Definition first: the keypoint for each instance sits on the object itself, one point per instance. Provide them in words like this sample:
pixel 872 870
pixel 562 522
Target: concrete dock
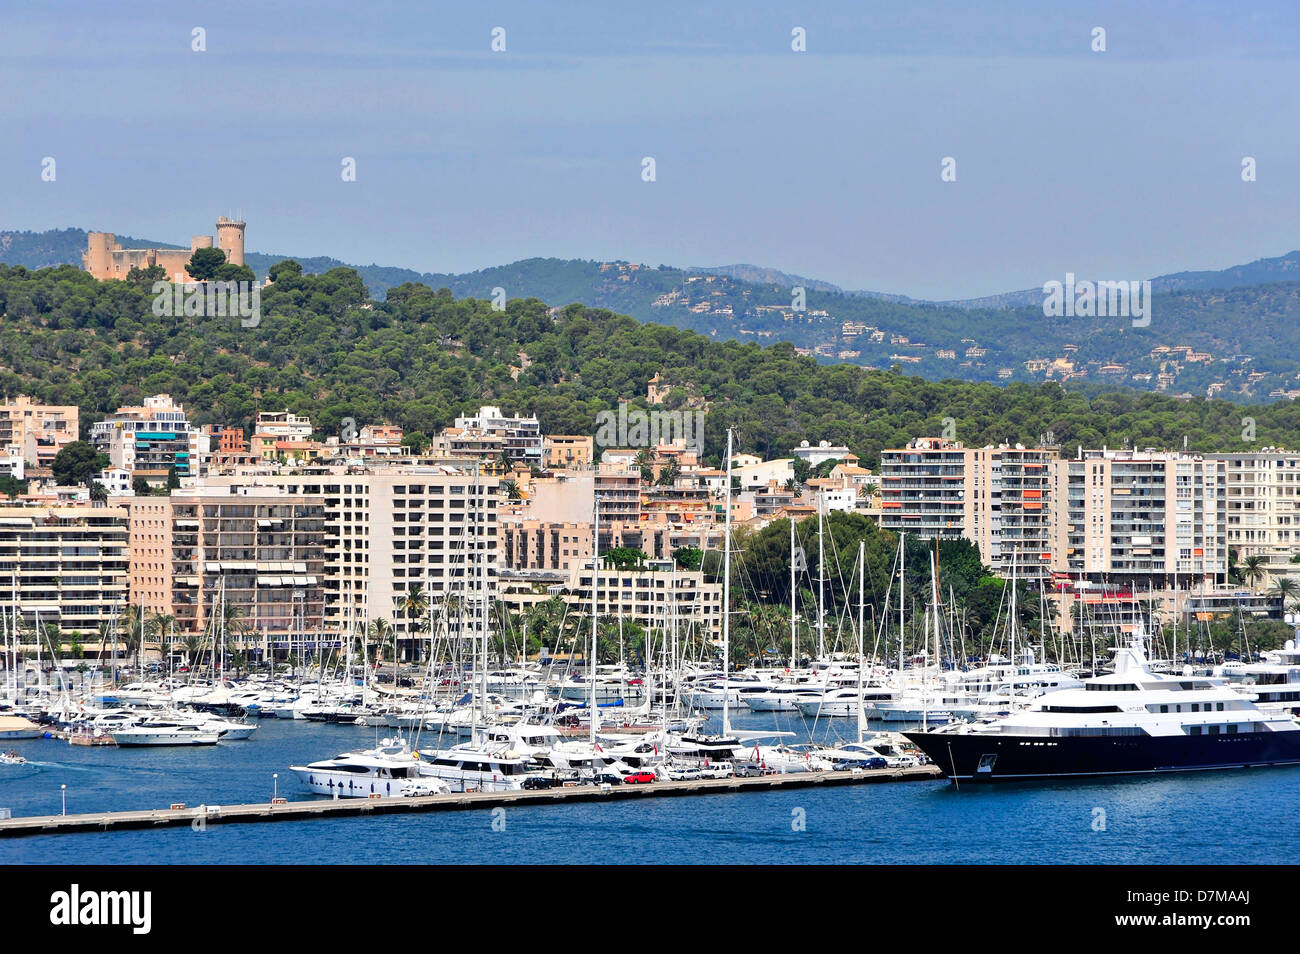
pixel 204 815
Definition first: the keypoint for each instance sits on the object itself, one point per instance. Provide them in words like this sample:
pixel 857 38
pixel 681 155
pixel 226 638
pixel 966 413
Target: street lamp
pixel 275 781
pixel 64 791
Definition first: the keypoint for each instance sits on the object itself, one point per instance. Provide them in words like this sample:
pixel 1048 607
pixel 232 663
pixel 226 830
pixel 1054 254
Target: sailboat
pixel 729 744
pixel 481 764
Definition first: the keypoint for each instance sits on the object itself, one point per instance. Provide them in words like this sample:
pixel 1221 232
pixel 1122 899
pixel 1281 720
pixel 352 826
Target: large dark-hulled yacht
pixel 1130 721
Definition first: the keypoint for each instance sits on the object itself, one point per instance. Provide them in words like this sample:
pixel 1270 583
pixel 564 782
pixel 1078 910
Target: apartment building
pixel 1149 519
pixel 227 449
pixel 923 488
pixel 822 452
pixel 257 552
pixel 652 596
pixel 387 529
pixel 150 439
pixel 516 439
pixel 1122 516
pixel 617 496
pixel 65 566
pixel 567 452
pixel 36 432
pixel 1008 508
pixel 149 563
pixel 544 545
pixel 1263 507
pixel 756 474
pixel 278 434
pixel 283 425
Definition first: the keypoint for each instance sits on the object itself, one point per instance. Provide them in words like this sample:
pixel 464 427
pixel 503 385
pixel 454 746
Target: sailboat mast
pixel 595 619
pixel 794 629
pixel 821 577
pixel 726 600
pixel 862 610
pixel 1012 627
pixel 901 585
pixel 480 564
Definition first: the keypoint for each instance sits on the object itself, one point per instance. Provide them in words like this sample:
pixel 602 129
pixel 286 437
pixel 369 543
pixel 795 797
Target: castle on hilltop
pixel 105 258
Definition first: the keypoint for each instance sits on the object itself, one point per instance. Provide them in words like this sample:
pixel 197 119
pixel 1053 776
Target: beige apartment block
pixel 260 552
pixel 998 497
pixel 1008 508
pixel 656 596
pixel 567 452
pixel 1149 519
pixel 37 431
pixel 387 529
pixel 150 561
pixel 1263 508
pixel 65 567
pixel 541 545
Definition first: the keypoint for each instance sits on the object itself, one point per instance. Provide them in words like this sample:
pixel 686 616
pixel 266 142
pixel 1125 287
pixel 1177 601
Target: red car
pixel 638 778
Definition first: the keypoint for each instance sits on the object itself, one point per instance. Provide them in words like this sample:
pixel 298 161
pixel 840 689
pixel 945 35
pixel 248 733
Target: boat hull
pixel 35 732
pixel 163 737
pixel 347 784
pixel 992 758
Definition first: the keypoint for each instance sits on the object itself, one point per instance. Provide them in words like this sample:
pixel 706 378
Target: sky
pixel 1117 164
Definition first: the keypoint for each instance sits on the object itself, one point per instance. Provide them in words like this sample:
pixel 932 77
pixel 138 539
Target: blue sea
pixel 1212 818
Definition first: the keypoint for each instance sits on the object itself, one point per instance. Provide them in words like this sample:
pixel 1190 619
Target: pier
pixel 281 810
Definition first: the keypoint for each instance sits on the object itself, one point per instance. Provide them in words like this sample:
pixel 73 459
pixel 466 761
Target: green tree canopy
pixel 76 461
pixel 203 264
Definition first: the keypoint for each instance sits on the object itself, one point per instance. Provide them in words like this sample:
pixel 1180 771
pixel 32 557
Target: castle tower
pixel 230 239
pixel 200 241
pixel 98 256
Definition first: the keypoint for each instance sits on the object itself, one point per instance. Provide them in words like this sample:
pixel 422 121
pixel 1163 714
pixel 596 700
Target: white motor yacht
pixel 386 770
pixel 476 767
pixel 161 731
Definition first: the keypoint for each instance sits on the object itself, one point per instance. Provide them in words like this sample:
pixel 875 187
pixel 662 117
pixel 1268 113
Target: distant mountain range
pixel 1233 333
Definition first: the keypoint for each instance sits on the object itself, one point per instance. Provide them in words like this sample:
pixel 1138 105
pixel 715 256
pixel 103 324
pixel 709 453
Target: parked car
pixel 871 763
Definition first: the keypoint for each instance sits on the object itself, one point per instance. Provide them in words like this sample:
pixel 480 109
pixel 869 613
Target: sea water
pixel 1236 817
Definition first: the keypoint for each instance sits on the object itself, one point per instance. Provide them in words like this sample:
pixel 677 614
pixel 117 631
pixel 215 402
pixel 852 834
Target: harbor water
pixel 1237 817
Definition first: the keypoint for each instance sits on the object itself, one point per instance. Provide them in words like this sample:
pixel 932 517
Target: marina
pixel 1148 819
pixel 283 810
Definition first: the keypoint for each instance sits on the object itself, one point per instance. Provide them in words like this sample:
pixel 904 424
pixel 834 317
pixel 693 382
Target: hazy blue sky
pixel 1121 164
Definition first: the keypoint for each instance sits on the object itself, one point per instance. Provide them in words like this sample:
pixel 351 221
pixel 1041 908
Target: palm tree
pixel 1286 589
pixel 414 605
pixel 1253 570
pixel 158 627
pixel 380 632
pixel 133 635
pixel 228 619
pixel 193 644
pixel 546 620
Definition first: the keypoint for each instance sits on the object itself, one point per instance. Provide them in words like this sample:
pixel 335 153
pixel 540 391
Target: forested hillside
pixel 422 356
pixel 1238 339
